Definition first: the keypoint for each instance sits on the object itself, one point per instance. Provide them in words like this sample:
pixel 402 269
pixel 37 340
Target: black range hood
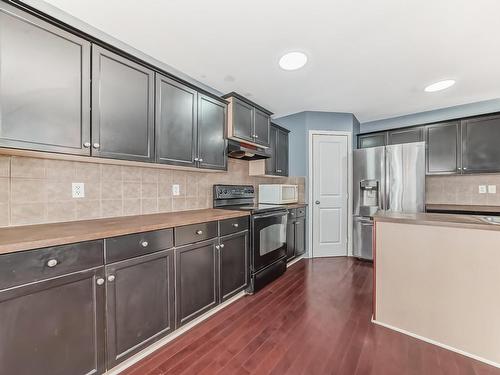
pixel 244 151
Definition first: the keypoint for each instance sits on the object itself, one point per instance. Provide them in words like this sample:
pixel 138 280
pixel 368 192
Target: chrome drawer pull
pixel 100 281
pixel 221 245
pixel 199 232
pixel 52 263
pixel 236 225
pixel 111 278
pixel 144 243
pixel 217 247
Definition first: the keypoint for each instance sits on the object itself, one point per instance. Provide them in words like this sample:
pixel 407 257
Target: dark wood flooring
pixel 313 320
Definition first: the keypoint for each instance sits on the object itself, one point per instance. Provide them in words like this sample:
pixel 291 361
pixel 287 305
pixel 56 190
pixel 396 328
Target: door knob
pixel 317 202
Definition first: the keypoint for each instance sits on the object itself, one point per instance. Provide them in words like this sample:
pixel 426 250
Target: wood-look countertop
pixel 449 220
pixel 29 237
pixel 463 208
pixel 296 205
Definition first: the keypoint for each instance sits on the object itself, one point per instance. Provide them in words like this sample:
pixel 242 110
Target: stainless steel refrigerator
pixel 386 178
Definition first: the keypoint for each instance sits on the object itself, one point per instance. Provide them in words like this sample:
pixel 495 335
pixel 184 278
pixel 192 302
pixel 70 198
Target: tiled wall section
pixel 462 189
pixel 34 191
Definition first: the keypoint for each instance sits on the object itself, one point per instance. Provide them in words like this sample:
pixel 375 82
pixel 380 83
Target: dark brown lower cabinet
pixel 54 327
pixel 295 236
pixel 196 280
pixel 140 303
pixel 233 264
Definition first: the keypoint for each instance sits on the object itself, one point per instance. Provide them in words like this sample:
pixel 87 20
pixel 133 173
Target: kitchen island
pixel 437 278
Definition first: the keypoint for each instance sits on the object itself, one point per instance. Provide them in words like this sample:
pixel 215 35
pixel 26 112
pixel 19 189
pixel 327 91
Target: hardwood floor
pixel 313 320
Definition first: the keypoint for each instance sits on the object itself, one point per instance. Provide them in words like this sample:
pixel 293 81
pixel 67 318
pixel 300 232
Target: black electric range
pixel 267 232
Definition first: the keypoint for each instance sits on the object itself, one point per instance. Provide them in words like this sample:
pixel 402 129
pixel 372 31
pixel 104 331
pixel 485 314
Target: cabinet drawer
pixel 34 265
pixel 229 226
pixel 133 245
pixel 292 214
pixel 301 212
pixel 196 232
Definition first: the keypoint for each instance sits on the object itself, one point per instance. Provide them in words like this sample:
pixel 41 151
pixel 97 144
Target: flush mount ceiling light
pixel 293 60
pixel 441 85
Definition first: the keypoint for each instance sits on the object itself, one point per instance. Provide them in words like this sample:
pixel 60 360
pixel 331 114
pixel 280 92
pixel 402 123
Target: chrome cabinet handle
pixel 86 144
pixel 236 225
pixel 111 278
pixel 256 136
pixel 292 214
pixel 200 159
pixel 221 245
pixel 144 243
pixel 96 145
pixel 199 232
pixel 217 247
pixel 278 170
pixel 52 263
pixel 100 281
pixel 196 159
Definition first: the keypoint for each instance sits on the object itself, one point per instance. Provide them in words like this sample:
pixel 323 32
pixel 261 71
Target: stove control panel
pixel 233 191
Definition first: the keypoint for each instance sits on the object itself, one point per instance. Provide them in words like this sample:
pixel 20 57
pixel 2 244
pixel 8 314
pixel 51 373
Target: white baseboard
pixel 430 341
pixel 158 344
pixel 291 263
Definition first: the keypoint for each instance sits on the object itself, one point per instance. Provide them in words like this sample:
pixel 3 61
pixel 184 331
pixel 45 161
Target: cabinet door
pixel 443 148
pixel 261 128
pixel 282 153
pixel 196 280
pixel 372 140
pixel 212 152
pixel 44 85
pixel 233 264
pixel 176 122
pixel 290 240
pixel 481 151
pixel 300 236
pixel 122 107
pixel 140 303
pixel 242 120
pixel 271 163
pixel 398 136
pixel 54 327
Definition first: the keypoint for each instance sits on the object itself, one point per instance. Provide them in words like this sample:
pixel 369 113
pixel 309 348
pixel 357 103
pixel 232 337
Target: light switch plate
pixel 176 190
pixel 78 190
pixel 492 189
pixel 482 189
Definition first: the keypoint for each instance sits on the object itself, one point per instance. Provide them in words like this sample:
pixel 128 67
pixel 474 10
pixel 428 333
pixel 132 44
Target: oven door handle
pixel 274 214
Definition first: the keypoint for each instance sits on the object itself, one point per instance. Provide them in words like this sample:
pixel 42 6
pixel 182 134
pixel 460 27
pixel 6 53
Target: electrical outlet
pixel 78 190
pixel 482 189
pixel 492 189
pixel 176 190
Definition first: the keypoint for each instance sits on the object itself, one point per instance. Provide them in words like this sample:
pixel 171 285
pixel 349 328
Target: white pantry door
pixel 329 193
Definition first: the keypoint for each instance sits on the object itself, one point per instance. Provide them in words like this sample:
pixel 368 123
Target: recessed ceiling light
pixel 293 60
pixel 441 85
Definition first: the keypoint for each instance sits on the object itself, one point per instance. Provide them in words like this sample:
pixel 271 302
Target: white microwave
pixel 278 194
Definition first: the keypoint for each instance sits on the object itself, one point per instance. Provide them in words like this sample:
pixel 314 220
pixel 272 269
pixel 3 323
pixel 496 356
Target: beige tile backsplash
pixel 34 191
pixel 462 189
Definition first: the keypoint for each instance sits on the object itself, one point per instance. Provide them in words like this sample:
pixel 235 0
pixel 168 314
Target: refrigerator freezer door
pixel 362 237
pixel 368 165
pixel 405 177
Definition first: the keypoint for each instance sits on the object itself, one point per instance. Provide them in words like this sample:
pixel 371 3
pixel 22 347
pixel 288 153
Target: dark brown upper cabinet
pixel 122 107
pixel 443 148
pixel 480 149
pixel 212 143
pixel 372 140
pixel 190 126
pixel 176 122
pixel 277 164
pixel 405 135
pixel 44 85
pixel 247 121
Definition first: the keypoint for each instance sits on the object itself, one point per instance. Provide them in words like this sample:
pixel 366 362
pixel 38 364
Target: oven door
pixel 268 239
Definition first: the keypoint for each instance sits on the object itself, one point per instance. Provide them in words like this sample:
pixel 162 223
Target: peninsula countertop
pixel 450 220
pixel 29 237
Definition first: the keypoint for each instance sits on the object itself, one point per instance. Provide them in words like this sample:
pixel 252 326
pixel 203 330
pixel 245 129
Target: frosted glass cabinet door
pixel 44 85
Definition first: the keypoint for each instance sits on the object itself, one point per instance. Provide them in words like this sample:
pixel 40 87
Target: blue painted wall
pixel 299 125
pixel 465 110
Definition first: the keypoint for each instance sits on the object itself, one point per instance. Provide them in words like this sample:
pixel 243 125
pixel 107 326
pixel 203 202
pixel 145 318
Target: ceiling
pixel 370 58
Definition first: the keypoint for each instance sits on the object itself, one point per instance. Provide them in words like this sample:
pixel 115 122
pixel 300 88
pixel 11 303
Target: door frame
pixel 310 252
